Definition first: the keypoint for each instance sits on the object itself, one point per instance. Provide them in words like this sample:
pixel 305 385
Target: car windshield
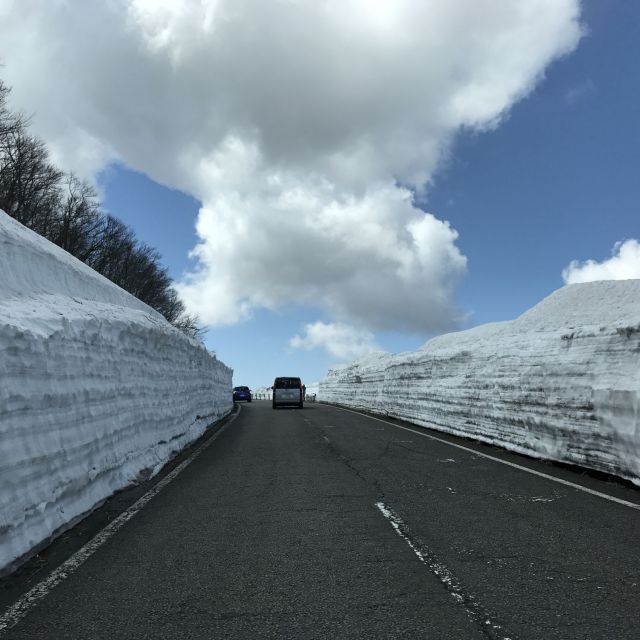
pixel 287 383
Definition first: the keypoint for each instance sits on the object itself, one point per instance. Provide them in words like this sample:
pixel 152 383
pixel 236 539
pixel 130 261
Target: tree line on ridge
pixel 66 210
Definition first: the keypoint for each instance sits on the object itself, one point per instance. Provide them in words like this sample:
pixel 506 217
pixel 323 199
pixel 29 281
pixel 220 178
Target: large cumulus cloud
pixel 303 126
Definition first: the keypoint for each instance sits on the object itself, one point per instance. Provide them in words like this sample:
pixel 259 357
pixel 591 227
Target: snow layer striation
pixel 96 389
pixel 561 382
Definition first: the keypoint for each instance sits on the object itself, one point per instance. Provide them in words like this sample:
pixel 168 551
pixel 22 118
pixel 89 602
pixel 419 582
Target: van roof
pixel 287 380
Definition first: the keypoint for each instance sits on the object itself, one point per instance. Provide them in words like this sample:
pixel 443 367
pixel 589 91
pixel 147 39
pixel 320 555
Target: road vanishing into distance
pixel 325 523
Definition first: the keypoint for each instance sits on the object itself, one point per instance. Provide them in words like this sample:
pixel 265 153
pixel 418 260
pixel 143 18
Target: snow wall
pixel 96 389
pixel 562 382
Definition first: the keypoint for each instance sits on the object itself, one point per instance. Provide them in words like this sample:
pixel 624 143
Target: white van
pixel 287 391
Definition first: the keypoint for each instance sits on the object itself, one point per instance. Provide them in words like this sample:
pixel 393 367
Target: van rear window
pixel 287 383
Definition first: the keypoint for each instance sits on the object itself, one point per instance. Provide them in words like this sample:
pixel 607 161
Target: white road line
pixel 29 600
pixel 441 571
pixel 567 483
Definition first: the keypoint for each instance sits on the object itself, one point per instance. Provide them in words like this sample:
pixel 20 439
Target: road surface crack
pixel 349 463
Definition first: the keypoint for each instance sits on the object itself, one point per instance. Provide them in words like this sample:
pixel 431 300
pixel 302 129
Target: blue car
pixel 241 393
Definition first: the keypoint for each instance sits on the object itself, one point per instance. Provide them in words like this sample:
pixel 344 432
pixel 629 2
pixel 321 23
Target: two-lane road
pixel 323 523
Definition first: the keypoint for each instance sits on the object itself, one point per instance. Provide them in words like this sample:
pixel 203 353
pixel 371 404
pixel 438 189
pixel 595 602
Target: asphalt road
pixel 322 523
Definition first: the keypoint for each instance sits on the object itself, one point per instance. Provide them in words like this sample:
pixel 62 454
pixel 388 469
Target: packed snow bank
pixel 562 382
pixel 96 388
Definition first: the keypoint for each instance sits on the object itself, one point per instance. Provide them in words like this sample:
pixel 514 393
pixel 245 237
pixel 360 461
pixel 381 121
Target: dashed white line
pixel 567 483
pixel 29 600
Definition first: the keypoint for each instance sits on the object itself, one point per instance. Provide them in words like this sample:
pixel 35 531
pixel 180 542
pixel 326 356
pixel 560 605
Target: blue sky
pixel 297 154
pixel 556 181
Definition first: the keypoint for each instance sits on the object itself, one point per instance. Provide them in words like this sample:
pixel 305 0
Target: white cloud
pixel 624 264
pixel 372 259
pixel 295 122
pixel 339 340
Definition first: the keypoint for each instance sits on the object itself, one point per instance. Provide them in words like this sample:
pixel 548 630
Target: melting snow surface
pixel 96 388
pixel 561 382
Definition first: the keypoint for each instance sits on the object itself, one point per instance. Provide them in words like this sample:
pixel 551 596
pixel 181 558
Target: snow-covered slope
pixel 96 388
pixel 561 382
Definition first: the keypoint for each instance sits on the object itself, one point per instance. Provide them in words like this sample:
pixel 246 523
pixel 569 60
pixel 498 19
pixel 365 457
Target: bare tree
pixel 173 310
pixel 9 121
pixel 190 324
pixel 79 224
pixel 116 242
pixel 29 183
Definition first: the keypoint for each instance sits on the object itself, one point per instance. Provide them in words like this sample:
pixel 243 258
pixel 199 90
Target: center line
pixel 472 607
